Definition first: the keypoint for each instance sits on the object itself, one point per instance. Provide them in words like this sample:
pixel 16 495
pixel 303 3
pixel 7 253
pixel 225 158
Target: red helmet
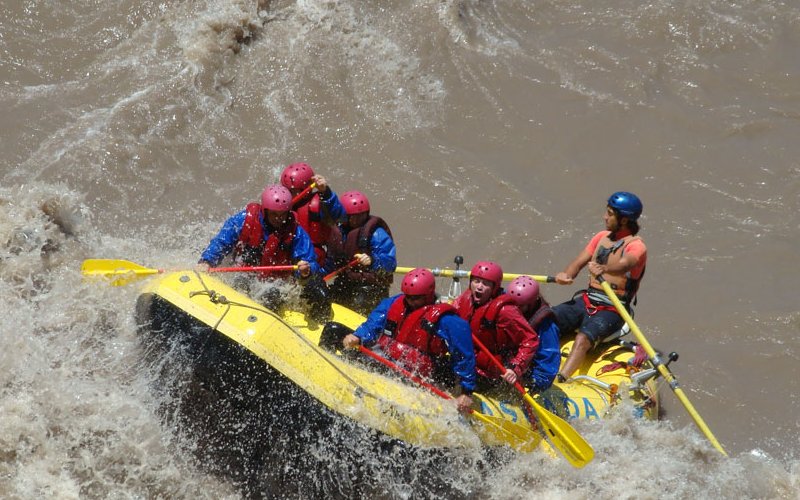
pixel 524 290
pixel 419 281
pixel 354 202
pixel 487 270
pixel 276 198
pixel 297 176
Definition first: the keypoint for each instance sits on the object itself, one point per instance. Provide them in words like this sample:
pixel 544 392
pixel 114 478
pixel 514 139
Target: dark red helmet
pixel 487 270
pixel 297 176
pixel 354 202
pixel 419 281
pixel 276 198
pixel 524 290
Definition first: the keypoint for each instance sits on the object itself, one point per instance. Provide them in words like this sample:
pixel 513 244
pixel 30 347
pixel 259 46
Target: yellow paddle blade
pixel 514 435
pixel 566 439
pixel 519 437
pixel 118 272
pixel 562 435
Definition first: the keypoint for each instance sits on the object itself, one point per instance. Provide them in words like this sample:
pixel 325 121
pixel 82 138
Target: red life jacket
pixel 358 240
pixel 253 250
pixel 411 339
pixel 483 323
pixel 310 218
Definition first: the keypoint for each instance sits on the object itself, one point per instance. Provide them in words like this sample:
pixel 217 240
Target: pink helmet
pixel 487 270
pixel 354 202
pixel 524 290
pixel 276 198
pixel 297 176
pixel 419 281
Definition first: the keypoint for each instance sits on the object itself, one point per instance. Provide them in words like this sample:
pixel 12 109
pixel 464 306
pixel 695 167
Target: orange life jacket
pixel 610 252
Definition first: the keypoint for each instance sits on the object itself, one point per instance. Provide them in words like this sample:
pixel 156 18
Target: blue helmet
pixel 627 204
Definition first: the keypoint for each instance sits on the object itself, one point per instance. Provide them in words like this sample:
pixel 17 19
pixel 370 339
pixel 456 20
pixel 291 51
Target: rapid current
pixel 130 129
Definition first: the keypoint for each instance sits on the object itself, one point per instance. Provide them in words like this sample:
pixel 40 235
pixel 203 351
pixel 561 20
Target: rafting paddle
pixel 303 192
pixel 122 272
pixel 463 273
pixel 566 439
pixel 346 266
pixel 517 436
pixel 663 369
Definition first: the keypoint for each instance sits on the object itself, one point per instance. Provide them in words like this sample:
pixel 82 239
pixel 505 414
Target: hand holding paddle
pixel 346 266
pixel 563 278
pixel 303 193
pixel 566 439
pixel 517 436
pixel 465 403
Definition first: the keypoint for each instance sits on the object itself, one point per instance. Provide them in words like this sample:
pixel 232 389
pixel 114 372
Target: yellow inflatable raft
pixel 288 343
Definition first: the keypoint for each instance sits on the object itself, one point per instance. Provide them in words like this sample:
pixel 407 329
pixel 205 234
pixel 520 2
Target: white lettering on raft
pixel 572 408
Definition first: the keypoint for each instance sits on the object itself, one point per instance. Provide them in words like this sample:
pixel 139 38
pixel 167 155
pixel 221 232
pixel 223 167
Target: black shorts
pixel 572 316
